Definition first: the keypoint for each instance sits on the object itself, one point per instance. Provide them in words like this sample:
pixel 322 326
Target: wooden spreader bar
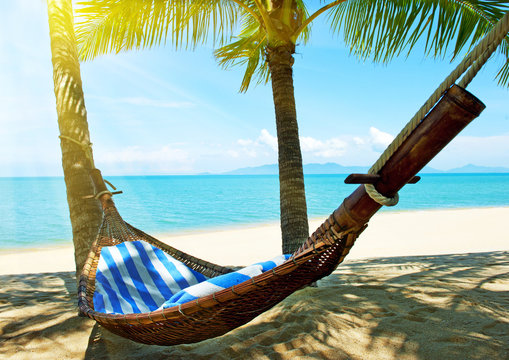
pixel 453 113
pixel 372 179
pixel 455 110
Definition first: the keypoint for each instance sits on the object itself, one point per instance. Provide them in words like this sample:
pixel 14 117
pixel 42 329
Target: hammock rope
pixel 217 313
pixel 473 63
pixel 379 198
pixel 86 146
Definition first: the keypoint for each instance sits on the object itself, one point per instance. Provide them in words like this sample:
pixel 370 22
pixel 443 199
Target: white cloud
pixel 345 150
pixel 358 141
pixel 379 139
pixel 250 153
pixel 245 142
pixel 330 148
pixel 266 138
pixel 308 143
pixel 233 153
pixel 254 148
pixel 135 160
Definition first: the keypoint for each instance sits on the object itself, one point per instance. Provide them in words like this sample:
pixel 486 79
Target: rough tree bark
pixel 85 214
pixel 294 220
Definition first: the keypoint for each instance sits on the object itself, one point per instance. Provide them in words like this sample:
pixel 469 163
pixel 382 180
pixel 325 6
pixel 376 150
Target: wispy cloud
pixel 163 154
pixel 143 101
pixel 478 150
pixel 155 80
pixel 166 159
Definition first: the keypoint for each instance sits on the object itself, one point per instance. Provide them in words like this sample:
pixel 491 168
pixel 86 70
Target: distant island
pixel 470 168
pixel 334 168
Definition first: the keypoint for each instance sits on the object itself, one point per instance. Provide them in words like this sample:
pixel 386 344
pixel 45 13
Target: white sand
pixel 400 233
pixel 431 307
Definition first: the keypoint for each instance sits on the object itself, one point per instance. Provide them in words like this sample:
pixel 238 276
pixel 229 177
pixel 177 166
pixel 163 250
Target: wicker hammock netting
pixel 447 112
pixel 220 312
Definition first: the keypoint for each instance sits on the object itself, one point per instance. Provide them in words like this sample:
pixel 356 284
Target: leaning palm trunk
pixel 85 214
pixel 294 221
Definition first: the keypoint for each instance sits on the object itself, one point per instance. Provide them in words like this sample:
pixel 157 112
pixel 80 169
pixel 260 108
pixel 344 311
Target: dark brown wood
pixel 362 179
pixel 372 179
pixel 97 179
pixel 453 113
pixel 414 180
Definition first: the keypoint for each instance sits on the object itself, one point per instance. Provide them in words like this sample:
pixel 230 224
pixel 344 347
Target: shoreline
pixel 163 236
pixel 434 232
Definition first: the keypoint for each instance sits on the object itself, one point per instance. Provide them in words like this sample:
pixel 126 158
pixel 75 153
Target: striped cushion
pixel 135 277
pixel 223 282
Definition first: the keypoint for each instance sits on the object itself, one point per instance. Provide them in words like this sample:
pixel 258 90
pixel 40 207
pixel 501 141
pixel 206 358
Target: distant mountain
pixel 271 169
pixel 430 170
pixel 313 168
pixel 333 168
pixel 328 168
pixel 470 168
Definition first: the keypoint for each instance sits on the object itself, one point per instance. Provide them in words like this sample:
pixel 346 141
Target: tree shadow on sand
pixel 429 307
pixel 447 307
pixel 38 308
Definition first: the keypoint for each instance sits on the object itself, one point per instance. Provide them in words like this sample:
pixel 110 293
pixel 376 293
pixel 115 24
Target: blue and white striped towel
pixel 135 277
pixel 221 282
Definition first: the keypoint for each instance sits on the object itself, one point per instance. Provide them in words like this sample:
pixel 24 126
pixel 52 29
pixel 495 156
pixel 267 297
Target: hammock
pixel 185 312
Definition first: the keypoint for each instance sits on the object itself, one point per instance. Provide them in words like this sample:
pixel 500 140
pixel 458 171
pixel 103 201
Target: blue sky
pixel 165 112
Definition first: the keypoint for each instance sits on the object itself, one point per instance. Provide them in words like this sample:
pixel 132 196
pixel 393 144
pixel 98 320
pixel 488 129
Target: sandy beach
pixel 417 285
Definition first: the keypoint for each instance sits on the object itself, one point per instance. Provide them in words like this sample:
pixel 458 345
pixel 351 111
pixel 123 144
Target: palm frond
pixel 305 35
pixel 249 51
pixel 105 26
pixel 201 20
pixel 382 29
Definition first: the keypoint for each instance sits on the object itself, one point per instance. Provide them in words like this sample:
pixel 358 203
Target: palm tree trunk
pixel 85 214
pixel 294 220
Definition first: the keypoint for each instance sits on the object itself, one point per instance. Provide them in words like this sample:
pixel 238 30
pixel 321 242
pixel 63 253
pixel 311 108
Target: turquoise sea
pixel 34 211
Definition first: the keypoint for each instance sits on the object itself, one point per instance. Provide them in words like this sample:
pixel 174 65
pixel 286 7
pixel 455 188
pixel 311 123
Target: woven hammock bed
pixel 444 115
pixel 220 312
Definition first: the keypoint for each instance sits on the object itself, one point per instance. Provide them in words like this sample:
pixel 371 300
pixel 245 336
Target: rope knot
pixel 379 198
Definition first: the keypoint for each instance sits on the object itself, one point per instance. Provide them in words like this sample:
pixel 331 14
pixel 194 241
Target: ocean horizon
pixel 34 209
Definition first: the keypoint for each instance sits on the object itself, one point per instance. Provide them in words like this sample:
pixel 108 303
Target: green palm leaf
pixel 249 51
pixel 105 26
pixel 377 29
pixel 382 29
